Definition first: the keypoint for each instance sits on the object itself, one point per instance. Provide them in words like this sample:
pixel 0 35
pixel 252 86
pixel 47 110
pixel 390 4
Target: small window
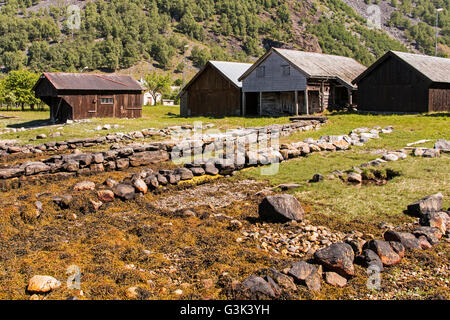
pixel 286 69
pixel 260 72
pixel 106 100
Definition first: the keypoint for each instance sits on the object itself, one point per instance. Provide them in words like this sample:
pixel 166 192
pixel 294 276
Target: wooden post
pixel 296 102
pixel 349 96
pixel 306 101
pixel 243 103
pixel 260 103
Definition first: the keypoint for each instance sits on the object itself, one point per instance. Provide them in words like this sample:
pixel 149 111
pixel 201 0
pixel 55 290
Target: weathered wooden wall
pixel 85 104
pixel 211 94
pixel 393 86
pixel 274 80
pixel 439 98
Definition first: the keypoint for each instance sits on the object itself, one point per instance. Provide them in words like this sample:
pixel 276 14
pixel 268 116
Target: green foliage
pixel 200 56
pixel 157 83
pixel 16 87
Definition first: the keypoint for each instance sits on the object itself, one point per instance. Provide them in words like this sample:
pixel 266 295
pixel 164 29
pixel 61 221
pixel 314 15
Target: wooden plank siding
pixel 439 99
pixel 396 86
pixel 84 104
pixel 211 94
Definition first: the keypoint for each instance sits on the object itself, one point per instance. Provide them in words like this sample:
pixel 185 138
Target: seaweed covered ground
pixel 199 239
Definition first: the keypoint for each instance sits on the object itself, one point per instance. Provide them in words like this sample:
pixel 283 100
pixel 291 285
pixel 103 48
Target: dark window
pixel 260 72
pixel 286 70
pixel 106 100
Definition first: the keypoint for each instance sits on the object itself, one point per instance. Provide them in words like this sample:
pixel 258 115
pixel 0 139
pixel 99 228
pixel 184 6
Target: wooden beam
pixel 306 101
pixel 296 102
pixel 260 103
pixel 243 103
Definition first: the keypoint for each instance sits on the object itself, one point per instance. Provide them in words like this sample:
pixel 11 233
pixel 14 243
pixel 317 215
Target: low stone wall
pixel 120 158
pixel 10 147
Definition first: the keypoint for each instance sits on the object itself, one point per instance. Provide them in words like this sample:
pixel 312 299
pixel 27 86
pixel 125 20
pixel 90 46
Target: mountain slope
pixel 135 36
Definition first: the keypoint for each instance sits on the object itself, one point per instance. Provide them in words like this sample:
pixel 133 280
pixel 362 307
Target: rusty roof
pixel 90 81
pixel 434 68
pixel 317 65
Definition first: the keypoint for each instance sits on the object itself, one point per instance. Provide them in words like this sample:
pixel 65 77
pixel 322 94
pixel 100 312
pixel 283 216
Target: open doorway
pixel 251 103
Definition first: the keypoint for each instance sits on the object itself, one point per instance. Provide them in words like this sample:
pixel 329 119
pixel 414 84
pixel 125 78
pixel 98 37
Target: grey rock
pixel 408 240
pixel 124 191
pixel 257 286
pixel 280 208
pixel 432 203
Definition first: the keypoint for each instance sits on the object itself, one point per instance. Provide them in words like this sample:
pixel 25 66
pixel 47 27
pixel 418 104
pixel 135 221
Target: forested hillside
pixel 413 21
pixel 119 34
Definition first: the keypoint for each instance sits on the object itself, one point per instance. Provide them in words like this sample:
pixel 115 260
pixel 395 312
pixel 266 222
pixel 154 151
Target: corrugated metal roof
pixel 232 70
pixel 87 81
pixel 317 65
pixel 435 68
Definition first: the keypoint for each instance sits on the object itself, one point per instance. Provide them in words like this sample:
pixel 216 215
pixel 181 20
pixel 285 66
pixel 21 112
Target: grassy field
pixel 152 117
pixel 368 204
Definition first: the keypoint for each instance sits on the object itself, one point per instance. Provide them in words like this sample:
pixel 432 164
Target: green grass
pixel 152 117
pixel 370 204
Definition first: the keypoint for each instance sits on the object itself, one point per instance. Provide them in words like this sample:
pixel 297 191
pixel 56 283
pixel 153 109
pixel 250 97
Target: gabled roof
pixel 316 65
pixel 230 70
pixel 434 68
pixel 89 81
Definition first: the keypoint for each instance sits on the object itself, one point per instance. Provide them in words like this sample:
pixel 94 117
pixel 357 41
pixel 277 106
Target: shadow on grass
pixel 31 124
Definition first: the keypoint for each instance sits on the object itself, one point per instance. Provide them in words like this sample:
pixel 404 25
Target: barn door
pixel 105 106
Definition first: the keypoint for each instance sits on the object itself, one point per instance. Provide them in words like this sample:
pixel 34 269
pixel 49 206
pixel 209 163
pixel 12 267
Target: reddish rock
pixel 432 234
pixel 424 244
pixel 95 204
pixel 398 248
pixel 84 185
pixel 382 248
pixel 439 220
pixel 408 240
pixel 106 195
pixel 140 185
pixel 335 279
pixel 337 257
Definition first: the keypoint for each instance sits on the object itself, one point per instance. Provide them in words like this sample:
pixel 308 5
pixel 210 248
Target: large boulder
pixel 408 240
pixel 383 249
pixel 337 257
pixel 280 208
pixel 432 203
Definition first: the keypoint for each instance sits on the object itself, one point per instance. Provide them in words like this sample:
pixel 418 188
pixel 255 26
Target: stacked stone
pixel 335 263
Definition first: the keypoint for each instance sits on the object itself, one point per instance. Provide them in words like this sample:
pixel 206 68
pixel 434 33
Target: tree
pixel 200 56
pixel 156 83
pixel 20 82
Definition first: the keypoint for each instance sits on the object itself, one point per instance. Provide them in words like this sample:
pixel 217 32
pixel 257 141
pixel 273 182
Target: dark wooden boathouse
pixel 405 83
pixel 78 96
